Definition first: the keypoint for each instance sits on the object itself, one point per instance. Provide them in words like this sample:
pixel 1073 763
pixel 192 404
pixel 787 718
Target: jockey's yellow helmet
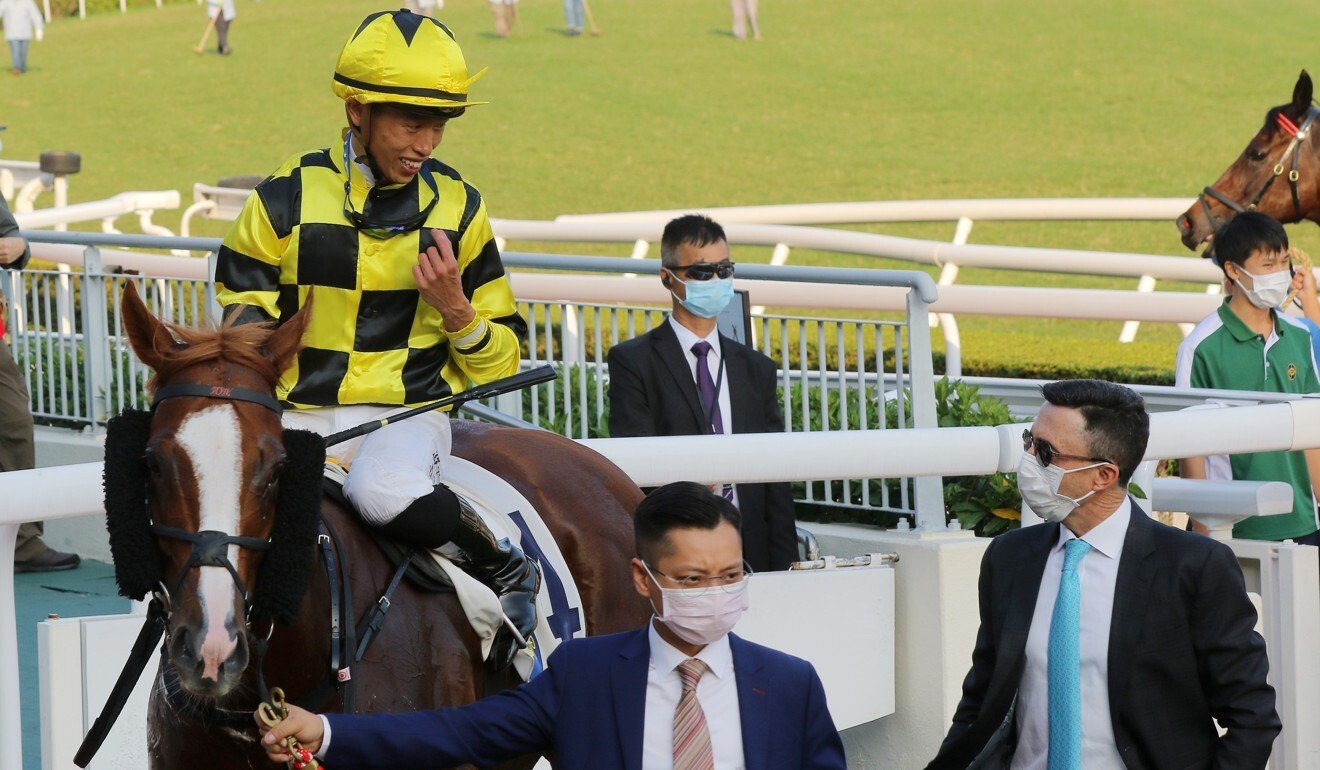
pixel 404 58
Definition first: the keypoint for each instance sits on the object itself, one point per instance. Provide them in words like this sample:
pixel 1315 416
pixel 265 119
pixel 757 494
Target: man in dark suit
pixel 1108 641
pixel 681 694
pixel 684 378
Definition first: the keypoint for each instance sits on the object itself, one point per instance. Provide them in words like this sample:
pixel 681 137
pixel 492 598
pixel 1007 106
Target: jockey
pixel 412 301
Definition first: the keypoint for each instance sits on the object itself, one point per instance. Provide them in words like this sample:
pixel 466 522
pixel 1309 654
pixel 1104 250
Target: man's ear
pixel 664 277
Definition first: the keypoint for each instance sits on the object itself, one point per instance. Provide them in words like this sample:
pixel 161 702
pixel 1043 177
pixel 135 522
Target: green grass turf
pixel 843 100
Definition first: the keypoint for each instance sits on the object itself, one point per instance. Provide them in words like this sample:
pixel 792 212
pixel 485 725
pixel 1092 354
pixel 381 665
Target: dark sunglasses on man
pixel 704 271
pixel 1047 454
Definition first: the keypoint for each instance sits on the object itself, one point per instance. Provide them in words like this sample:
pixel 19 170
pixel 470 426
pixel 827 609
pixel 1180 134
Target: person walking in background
pixel 17 451
pixel 573 15
pixel 425 7
pixel 224 13
pixel 744 11
pixel 684 378
pixel 505 13
pixel 22 20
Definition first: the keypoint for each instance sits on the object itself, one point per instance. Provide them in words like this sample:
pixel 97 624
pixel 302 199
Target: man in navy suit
pixel 682 693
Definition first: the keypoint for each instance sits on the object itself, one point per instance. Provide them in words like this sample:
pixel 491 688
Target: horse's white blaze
pixel 213 441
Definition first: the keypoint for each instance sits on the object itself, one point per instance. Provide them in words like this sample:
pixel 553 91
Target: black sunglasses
pixel 1047 454
pixel 704 271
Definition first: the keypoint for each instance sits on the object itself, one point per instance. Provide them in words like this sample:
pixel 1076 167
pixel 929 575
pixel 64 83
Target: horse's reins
pixel 210 548
pixel 1294 148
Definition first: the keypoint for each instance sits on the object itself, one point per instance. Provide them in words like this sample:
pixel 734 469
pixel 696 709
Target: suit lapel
pixel 738 379
pixel 1131 599
pixel 1022 591
pixel 666 344
pixel 753 692
pixel 628 683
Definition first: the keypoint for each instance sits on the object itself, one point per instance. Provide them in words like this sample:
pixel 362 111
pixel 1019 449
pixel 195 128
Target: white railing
pixel 769 226
pixel 142 203
pixel 831 370
pixel 872 212
pixel 68 491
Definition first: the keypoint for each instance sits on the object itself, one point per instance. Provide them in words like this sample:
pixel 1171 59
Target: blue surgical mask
pixel 706 299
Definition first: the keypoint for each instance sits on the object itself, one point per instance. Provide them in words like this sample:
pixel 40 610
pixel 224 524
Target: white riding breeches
pixel 389 468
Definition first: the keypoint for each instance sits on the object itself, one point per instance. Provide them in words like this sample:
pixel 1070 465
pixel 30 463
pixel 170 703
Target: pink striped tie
pixel 692 749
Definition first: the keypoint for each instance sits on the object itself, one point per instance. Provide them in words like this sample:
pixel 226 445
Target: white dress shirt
pixel 717 691
pixel 1098 573
pixel 686 339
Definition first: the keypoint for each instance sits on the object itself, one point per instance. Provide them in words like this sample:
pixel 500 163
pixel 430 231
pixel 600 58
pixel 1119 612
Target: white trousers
pixel 389 468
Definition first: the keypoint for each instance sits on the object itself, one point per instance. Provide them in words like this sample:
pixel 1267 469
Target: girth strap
pixel 376 616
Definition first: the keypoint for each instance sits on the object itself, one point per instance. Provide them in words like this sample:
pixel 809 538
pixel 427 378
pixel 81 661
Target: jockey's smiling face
pixel 398 141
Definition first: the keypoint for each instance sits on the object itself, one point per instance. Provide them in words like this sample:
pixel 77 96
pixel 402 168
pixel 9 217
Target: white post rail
pixel 75 490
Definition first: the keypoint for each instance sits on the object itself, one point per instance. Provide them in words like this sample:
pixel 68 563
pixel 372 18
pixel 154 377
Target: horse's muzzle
pixel 204 666
pixel 1193 233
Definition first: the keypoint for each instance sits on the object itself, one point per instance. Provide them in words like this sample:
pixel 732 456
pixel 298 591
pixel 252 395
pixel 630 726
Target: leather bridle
pixel 210 548
pixel 1294 149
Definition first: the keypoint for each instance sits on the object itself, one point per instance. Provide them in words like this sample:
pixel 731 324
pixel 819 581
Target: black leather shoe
pixel 49 560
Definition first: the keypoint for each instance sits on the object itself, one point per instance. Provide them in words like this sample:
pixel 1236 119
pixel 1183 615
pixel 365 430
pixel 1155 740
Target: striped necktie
pixel 1065 664
pixel 692 749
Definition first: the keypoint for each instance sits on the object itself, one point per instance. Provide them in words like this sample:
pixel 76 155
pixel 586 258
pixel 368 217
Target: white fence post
pixel 11 713
pixel 96 337
pixel 929 501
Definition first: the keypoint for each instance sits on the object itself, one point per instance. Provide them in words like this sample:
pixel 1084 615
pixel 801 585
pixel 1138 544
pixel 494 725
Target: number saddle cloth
pixel 508 515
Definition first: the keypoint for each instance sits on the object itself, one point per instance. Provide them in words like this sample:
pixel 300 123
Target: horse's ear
pixel 147 334
pixel 1301 101
pixel 285 342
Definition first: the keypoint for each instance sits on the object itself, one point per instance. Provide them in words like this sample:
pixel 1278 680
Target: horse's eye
pixel 1255 154
pixel 153 464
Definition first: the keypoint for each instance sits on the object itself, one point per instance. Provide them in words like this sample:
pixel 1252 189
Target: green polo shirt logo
pixel 1223 353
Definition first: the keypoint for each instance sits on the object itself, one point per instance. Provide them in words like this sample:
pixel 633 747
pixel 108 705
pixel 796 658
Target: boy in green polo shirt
pixel 1247 344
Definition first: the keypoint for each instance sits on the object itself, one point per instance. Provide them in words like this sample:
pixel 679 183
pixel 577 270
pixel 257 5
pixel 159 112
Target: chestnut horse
pixel 1277 174
pixel 216 463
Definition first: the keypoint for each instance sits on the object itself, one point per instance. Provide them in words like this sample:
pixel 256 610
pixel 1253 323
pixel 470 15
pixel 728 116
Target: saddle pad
pixel 510 515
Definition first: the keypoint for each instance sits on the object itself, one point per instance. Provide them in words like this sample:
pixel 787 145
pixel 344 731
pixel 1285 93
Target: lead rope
pixel 274 711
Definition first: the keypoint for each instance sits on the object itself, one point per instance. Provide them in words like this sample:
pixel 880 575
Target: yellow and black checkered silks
pixel 372 339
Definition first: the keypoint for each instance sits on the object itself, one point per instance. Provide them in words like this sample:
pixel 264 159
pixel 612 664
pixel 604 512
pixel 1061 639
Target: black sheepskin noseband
pixel 139 562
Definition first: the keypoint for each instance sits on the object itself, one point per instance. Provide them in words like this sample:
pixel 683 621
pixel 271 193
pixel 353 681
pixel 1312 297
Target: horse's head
pixel 214 458
pixel 1276 174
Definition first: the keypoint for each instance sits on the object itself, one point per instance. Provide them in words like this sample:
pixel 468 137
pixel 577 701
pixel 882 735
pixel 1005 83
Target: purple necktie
pixel 709 398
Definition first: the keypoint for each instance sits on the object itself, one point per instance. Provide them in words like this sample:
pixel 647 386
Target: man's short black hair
pixel 693 229
pixel 680 505
pixel 1117 426
pixel 1244 235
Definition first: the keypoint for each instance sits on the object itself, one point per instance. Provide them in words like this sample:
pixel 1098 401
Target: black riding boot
pixel 506 570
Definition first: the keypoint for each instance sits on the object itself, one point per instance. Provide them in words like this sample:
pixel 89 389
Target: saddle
pixel 424 574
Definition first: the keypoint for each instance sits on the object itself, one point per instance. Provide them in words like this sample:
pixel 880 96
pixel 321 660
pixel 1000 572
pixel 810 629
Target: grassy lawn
pixel 843 100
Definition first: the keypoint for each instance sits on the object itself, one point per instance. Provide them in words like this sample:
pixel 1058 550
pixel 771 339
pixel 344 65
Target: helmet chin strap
pixel 363 134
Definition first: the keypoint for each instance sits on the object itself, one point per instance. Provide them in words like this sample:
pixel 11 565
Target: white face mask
pixel 701 615
pixel 1039 486
pixel 1269 291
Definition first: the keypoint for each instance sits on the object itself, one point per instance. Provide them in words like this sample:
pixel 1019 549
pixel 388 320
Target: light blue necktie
pixel 1065 664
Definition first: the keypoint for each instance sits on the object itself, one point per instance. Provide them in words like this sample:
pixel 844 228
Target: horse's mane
pixel 236 343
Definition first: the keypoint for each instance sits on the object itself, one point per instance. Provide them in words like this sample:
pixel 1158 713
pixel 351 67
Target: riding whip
pixel 498 387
